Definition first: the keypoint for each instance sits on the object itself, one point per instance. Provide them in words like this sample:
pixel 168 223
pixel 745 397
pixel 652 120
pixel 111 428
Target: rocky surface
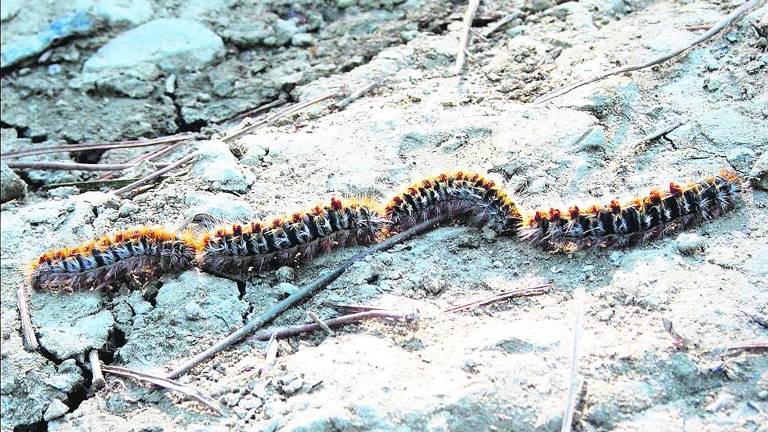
pixel 499 367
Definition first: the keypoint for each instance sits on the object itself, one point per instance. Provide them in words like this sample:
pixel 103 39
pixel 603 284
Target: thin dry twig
pixel 169 384
pixel 271 356
pixel 758 345
pixel 570 400
pixel 353 308
pixel 288 331
pixel 68 166
pixel 149 156
pixel 636 147
pixel 27 331
pixel 523 292
pixel 98 380
pixel 100 146
pixel 240 131
pixel 267 106
pixel 320 322
pixel 727 21
pixel 93 184
pixel 125 189
pixel 698 27
pixel 357 95
pixel 500 23
pixel 469 16
pixel 300 295
pixel 677 341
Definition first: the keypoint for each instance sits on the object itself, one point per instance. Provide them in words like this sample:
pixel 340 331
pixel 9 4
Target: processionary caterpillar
pixel 241 250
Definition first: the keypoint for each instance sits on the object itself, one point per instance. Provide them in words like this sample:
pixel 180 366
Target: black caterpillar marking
pixel 240 250
pixel 639 221
pixel 457 195
pixel 110 259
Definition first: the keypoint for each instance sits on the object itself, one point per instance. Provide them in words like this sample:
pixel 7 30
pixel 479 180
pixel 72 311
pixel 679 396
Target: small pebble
pixel 193 311
pixel 488 234
pixel 689 243
pixel 285 274
pixel 55 410
pixel 128 208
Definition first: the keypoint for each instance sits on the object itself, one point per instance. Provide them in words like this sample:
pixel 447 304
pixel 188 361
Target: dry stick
pixel 728 20
pixel 278 115
pixel 354 308
pixel 464 37
pixel 271 354
pixel 677 341
pixel 158 173
pixel 300 295
pixel 262 108
pixel 68 166
pixel 147 157
pixel 92 185
pixel 758 345
pixel 570 401
pixel 30 339
pixel 524 292
pixel 638 145
pixel 284 332
pixel 357 95
pixel 101 146
pixel 500 23
pixel 320 322
pixel 169 384
pixel 98 380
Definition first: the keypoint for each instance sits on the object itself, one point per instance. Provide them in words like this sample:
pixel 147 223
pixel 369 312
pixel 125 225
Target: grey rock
pixel 138 304
pixel 217 167
pixel 759 173
pixel 126 84
pixel 433 281
pixel 128 208
pixel 164 333
pixel 488 234
pixel 71 325
pixel 302 40
pixel 23 48
pixel 55 410
pixel 193 311
pixel 741 158
pixel 343 4
pixel 11 185
pixel 63 192
pixel 689 243
pixel 284 31
pixel 247 35
pixel 285 274
pixel 170 43
pixel 223 206
pixel 122 12
pixel 251 402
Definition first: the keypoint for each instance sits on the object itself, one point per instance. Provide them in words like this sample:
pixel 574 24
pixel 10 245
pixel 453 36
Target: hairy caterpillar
pixel 457 194
pixel 640 220
pixel 256 247
pixel 109 259
pixel 239 250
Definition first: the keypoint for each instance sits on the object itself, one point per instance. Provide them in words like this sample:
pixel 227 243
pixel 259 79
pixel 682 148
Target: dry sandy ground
pixel 500 367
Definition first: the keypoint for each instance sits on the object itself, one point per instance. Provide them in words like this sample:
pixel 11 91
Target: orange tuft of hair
pixel 336 204
pixel 675 189
pixel 573 212
pixel 615 206
pixel 554 214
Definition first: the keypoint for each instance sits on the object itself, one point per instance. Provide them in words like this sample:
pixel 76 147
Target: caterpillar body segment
pixel 257 247
pixel 460 196
pixel 112 258
pixel 638 221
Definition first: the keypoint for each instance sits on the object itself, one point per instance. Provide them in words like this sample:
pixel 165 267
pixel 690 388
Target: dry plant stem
pixel 354 308
pixel 98 380
pixel 320 322
pixel 125 189
pixel 357 95
pixel 677 341
pixel 284 332
pixel 500 23
pixel 301 295
pixel 103 146
pixel 749 346
pixel 640 144
pixel 68 166
pixel 169 384
pixel 570 404
pixel 92 185
pixel 27 331
pixel 271 356
pixel 728 20
pixel 262 108
pixel 524 292
pixel 464 37
pixel 278 115
pixel 146 157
